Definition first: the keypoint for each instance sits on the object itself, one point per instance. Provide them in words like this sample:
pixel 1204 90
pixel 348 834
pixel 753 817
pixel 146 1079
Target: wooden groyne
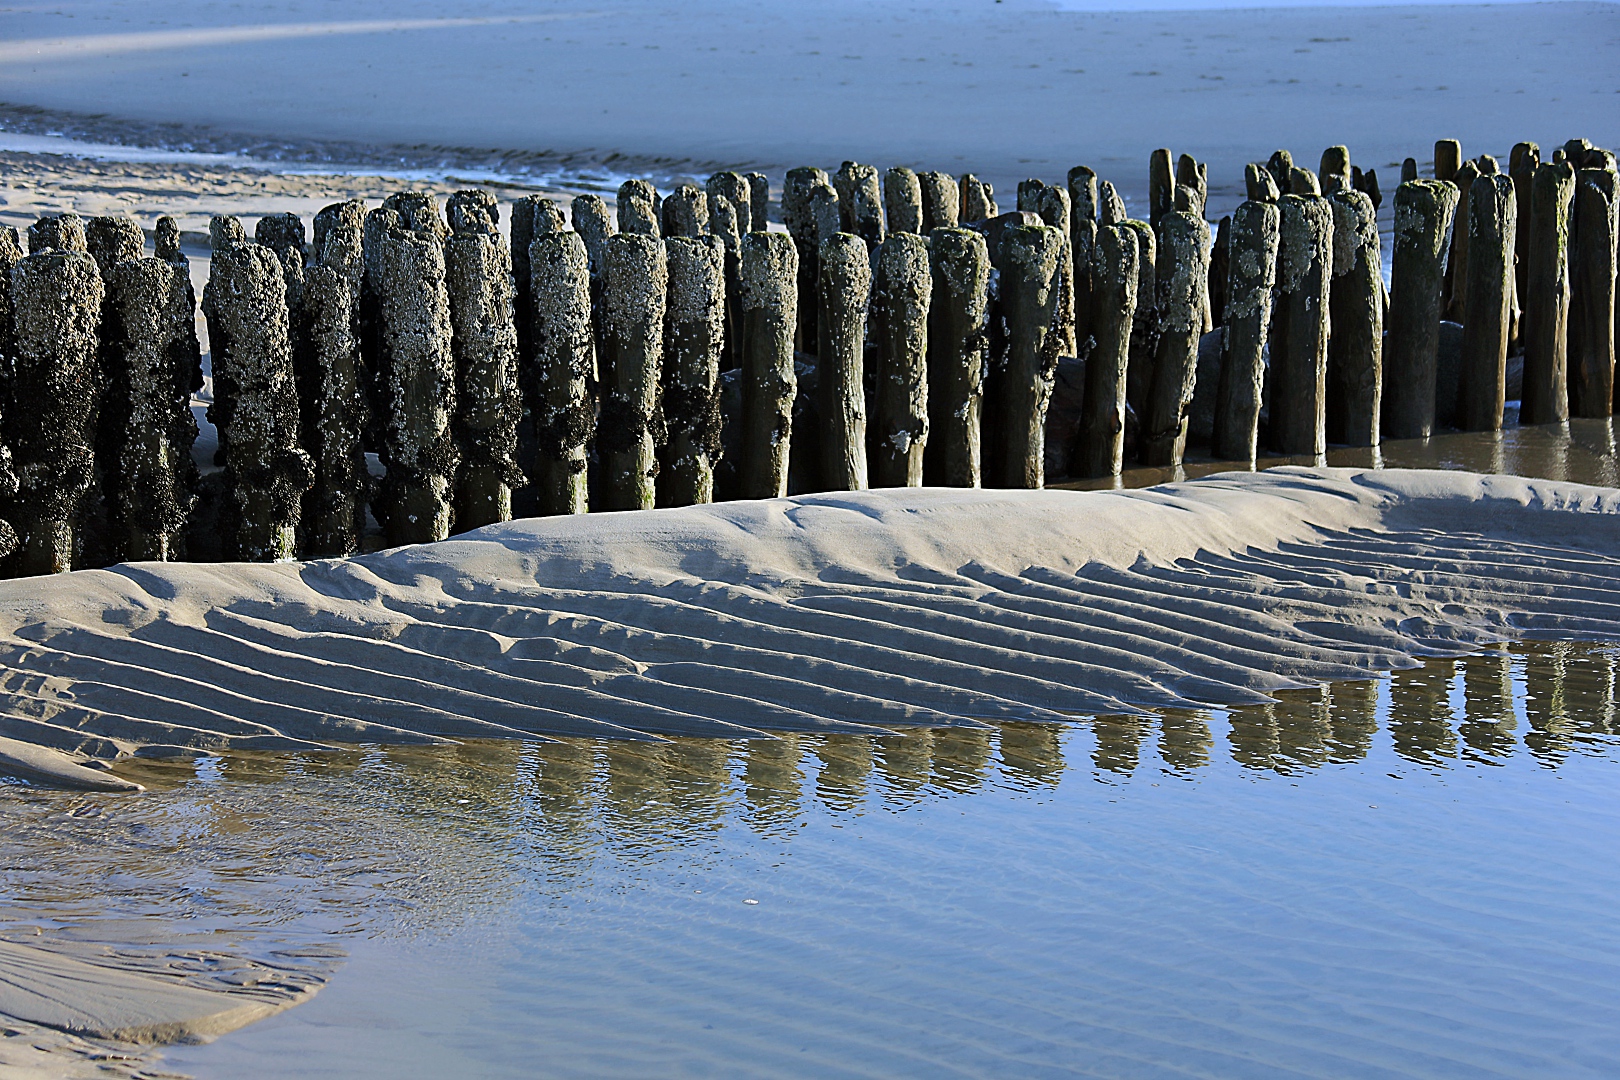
pixel 894 327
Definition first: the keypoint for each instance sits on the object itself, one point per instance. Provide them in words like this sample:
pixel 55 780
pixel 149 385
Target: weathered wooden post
pixel 958 326
pixel 1488 307
pixel 733 187
pixel 686 212
pixel 11 253
pixel 1596 229
pixel 266 472
pixel 1300 321
pixel 591 220
pixel 1029 259
pixel 1220 270
pixel 723 223
pixel 846 287
pixel 1182 277
pixel 1281 168
pixel 1253 261
pixel 941 201
pixel 331 393
pixel 1545 399
pixel 1522 165
pixel 1367 184
pixel 902 200
pixel 56 296
pixel 1145 321
pixel 1334 171
pixel 759 195
pixel 1423 214
pixel 638 208
pixel 902 288
pixel 59 232
pixel 1192 185
pixel 559 379
pixel 418 384
pixel 98 530
pixel 147 472
pixel 1110 206
pixel 978 200
pixel 1355 377
pixel 769 269
pixel 1053 206
pixel 1455 287
pixel 799 216
pixel 635 279
pixel 1447 159
pixel 695 324
pixel 532 216
pixel 1082 238
pixel 1161 186
pixel 478 278
pixel 1115 275
pixel 860 202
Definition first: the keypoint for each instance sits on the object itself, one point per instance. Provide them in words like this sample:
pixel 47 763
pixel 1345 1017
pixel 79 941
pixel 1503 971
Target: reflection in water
pixel 1581 451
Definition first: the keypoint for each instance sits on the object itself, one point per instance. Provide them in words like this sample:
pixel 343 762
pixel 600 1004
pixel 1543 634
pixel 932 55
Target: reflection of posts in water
pixel 771 780
pixel 1119 743
pixel 1487 728
pixel 1032 752
pixel 679 785
pixel 1353 719
pixel 1420 713
pixel 1252 736
pixel 903 762
pixel 1292 733
pixel 1545 709
pixel 1184 740
pixel 961 759
pixel 846 762
pixel 698 773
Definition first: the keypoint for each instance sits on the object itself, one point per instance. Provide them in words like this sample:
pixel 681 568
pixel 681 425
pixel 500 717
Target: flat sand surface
pixel 1008 90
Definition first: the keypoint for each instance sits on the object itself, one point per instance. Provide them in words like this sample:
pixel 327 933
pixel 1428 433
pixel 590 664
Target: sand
pixel 1008 90
pixel 820 613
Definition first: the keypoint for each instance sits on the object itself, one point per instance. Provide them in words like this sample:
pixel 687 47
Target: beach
pixel 1301 769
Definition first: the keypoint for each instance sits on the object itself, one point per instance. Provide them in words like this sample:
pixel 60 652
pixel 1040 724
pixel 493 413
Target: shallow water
pixel 1406 877
pixel 1411 876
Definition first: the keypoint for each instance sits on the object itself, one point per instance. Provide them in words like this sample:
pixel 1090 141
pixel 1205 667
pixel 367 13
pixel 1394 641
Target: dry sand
pixel 1008 89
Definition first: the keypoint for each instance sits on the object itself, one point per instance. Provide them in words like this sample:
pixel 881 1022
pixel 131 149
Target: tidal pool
pixel 1408 876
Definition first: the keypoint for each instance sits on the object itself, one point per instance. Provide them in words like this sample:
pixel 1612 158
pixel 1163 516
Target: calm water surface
pixel 1412 876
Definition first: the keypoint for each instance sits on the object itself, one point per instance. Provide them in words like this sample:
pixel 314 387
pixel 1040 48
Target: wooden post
pixel 266 473
pixel 1281 168
pixel 331 391
pixel 978 200
pixel 1455 288
pixel 1488 307
pixel 958 327
pixel 799 215
pixel 1161 187
pixel 1447 159
pixel 1182 276
pixel 734 188
pixel 1522 168
pixel 594 225
pixel 56 296
pixel 860 202
pixel 901 291
pixel 1220 270
pixel 1255 227
pixel 1423 213
pixel 1030 261
pixel 1115 274
pixel 1260 184
pixel 478 279
pixel 845 290
pixel 1409 170
pixel 695 325
pixel 634 283
pixel 1592 300
pixel 148 478
pixel 419 386
pixel 1110 207
pixel 941 201
pixel 759 198
pixel 559 379
pixel 1355 381
pixel 686 212
pixel 638 208
pixel 769 268
pixel 532 216
pixel 1334 171
pixel 99 531
pixel 1192 185
pixel 64 232
pixel 1300 330
pixel 1082 239
pixel 1545 399
pixel 1145 321
pixel 903 200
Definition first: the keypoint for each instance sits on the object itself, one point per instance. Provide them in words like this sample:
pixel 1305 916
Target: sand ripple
pixel 825 613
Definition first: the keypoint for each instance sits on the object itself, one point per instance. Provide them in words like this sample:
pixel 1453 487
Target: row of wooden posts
pixel 582 364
